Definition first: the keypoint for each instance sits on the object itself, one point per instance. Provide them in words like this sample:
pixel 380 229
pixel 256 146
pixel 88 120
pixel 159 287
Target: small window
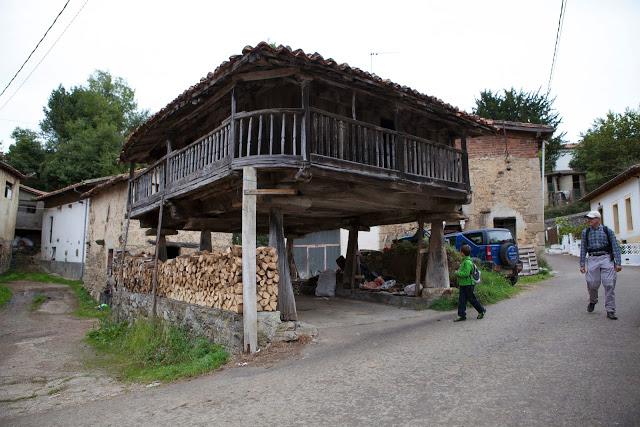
pixel 616 218
pixel 110 262
pixel 53 253
pixel 476 238
pixel 627 208
pixel 8 190
pixel 50 228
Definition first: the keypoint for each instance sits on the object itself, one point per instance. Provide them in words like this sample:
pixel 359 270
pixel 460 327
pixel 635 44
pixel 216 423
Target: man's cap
pixel 593 214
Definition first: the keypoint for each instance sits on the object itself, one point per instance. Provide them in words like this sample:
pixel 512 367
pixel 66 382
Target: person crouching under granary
pixel 604 261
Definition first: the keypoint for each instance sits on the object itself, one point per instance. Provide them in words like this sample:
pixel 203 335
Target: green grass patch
pixel 493 288
pixel 37 301
pixel 87 306
pixel 5 295
pixel 525 280
pixel 147 351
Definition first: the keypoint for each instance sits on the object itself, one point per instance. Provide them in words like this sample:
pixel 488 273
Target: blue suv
pixel 495 247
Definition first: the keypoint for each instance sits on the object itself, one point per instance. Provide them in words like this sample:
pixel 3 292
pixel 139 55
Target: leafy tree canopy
pixel 27 155
pixel 521 106
pixel 83 131
pixel 610 146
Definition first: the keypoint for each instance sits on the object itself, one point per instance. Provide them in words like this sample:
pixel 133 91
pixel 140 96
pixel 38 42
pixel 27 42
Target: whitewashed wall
pixel 618 194
pixel 69 231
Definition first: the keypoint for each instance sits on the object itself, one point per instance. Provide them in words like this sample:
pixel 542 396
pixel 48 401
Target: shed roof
pixel 32 190
pixel 633 171
pixel 113 180
pixel 79 187
pixel 282 57
pixel 13 171
pixel 543 130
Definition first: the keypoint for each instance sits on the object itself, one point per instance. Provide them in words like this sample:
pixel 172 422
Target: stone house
pixel 506 181
pixel 9 195
pixel 564 185
pixel 106 221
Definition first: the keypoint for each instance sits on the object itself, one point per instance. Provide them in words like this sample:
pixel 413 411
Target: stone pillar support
pixel 437 266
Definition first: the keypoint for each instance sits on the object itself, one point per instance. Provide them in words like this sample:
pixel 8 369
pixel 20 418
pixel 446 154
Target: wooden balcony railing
pixel 281 134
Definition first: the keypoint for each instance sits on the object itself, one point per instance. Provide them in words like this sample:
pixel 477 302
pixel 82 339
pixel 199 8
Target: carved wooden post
pixel 205 241
pixel 305 131
pixel 293 269
pixel 437 275
pixel 286 300
pixel 419 256
pixel 249 303
pixel 232 131
pixel 155 264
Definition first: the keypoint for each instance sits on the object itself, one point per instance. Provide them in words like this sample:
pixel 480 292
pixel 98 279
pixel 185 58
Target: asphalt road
pixel 537 359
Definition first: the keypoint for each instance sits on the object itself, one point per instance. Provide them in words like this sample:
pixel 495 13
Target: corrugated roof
pixel 284 54
pixel 633 171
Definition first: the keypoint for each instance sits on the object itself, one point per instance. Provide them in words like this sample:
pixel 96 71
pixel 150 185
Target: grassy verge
pixel 5 295
pixel 86 304
pixel 493 288
pixel 154 351
pixel 37 301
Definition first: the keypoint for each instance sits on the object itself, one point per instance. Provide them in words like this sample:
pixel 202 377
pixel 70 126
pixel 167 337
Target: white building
pixel 564 185
pixel 618 201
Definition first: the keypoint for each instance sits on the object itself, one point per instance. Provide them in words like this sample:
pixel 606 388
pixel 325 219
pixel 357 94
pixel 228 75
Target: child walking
pixel 466 286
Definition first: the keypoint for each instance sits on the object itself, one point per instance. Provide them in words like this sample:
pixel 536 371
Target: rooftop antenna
pixel 372 54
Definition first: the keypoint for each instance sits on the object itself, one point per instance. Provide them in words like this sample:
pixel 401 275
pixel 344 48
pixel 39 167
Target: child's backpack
pixel 475 274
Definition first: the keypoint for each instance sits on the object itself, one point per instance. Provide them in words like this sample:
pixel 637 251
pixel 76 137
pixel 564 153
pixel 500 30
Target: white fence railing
pixel 630 251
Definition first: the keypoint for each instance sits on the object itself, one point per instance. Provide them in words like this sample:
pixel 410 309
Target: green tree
pixel 85 128
pixel 610 146
pixel 27 155
pixel 522 106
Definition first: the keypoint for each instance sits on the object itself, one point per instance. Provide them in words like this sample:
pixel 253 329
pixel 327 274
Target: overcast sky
pixel 448 49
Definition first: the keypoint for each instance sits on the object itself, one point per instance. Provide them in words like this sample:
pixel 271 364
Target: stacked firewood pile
pixel 211 279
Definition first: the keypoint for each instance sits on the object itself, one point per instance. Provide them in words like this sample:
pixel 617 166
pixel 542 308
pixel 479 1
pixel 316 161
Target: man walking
pixel 604 261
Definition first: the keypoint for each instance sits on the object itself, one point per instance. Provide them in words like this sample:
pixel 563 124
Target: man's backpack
pixel 475 274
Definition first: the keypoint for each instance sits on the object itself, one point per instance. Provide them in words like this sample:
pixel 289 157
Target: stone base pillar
pixel 437 266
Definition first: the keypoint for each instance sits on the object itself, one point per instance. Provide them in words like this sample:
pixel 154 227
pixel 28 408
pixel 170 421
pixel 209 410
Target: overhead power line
pixel 563 7
pixel 34 49
pixel 45 55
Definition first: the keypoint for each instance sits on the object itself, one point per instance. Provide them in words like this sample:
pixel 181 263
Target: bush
pixel 154 350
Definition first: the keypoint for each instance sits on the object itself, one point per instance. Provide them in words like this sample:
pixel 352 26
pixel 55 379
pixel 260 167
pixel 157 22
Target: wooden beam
pixel 266 74
pixel 286 300
pixel 419 256
pixel 155 263
pixel 249 303
pixel 272 192
pixel 163 232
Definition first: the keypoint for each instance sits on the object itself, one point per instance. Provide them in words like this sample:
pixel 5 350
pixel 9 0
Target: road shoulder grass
pixel 493 288
pixel 5 295
pixel 147 351
pixel 87 306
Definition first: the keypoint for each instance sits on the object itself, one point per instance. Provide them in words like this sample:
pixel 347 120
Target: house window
pixel 8 190
pixel 627 209
pixel 616 219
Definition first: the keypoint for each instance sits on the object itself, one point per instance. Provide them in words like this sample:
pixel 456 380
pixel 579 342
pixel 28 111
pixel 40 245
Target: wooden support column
pixel 419 256
pixel 465 161
pixel 293 269
pixel 348 278
pixel 286 300
pixel 129 203
pixel 437 275
pixel 162 248
pixel 305 130
pixel 155 263
pixel 205 241
pixel 249 303
pixel 400 142
pixel 353 105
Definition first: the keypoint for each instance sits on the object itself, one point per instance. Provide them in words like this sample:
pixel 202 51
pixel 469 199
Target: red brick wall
pixel 494 146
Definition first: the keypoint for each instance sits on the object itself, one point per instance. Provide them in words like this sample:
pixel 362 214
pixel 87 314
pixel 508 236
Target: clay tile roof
pixel 31 190
pixel 77 187
pixel 633 171
pixel 101 187
pixel 522 126
pixel 13 171
pixel 299 57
